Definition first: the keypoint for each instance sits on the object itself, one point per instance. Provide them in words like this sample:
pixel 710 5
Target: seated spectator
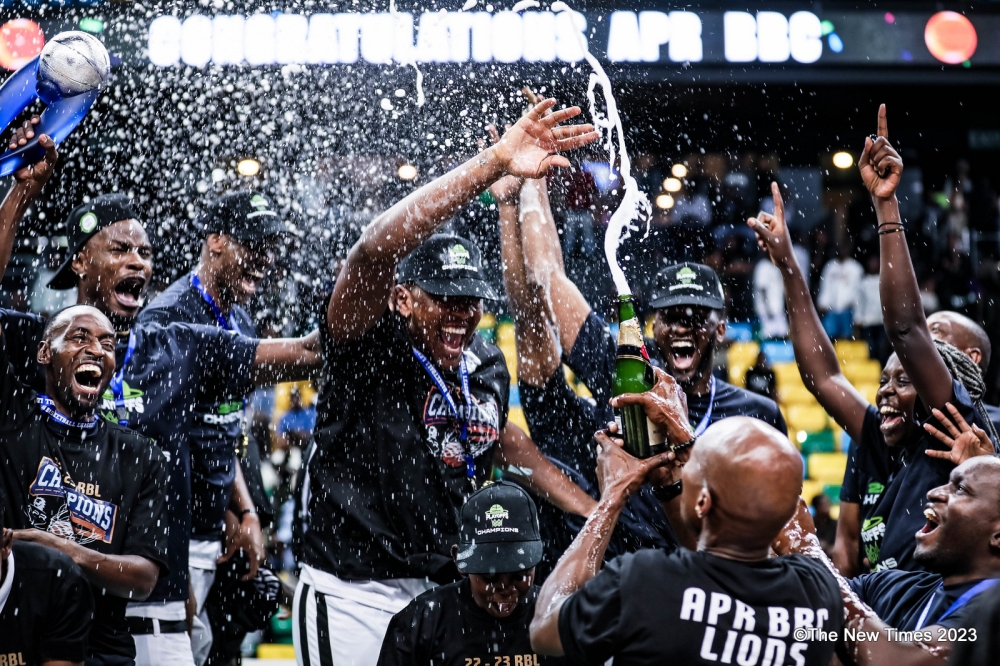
pixel 839 288
pixel 760 378
pixel 868 312
pixel 46 608
pixel 484 617
pixel 296 425
pixel 79 484
pixel 826 525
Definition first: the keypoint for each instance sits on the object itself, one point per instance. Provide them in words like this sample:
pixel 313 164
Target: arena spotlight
pixel 248 167
pixel 843 160
pixel 407 172
pixel 665 201
pixel 672 185
pixel 679 171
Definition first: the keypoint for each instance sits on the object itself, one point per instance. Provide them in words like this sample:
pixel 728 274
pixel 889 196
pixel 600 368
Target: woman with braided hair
pixel 893 461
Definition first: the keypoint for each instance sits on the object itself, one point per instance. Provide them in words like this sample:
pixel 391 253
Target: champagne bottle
pixel 633 374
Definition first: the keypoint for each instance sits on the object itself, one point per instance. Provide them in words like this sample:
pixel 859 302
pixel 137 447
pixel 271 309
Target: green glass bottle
pixel 633 374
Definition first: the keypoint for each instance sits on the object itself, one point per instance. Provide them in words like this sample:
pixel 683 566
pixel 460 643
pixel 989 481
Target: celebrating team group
pixel 122 490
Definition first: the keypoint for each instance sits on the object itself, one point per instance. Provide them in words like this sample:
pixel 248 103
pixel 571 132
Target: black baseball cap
pixel 83 224
pixel 687 284
pixel 446 265
pixel 499 531
pixel 246 216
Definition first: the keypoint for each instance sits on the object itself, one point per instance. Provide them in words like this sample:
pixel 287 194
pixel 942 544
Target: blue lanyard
pixel 47 405
pixel 706 420
pixel 461 417
pixel 228 325
pixel 982 586
pixel 116 383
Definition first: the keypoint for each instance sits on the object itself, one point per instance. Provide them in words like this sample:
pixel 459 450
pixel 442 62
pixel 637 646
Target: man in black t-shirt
pixel 79 484
pixel 241 237
pixel 554 324
pixel 727 602
pixel 161 370
pixel 957 547
pixel 484 617
pixel 46 609
pixel 413 413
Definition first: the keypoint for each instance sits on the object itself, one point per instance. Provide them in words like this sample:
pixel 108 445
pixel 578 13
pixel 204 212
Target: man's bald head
pixel 741 485
pixel 60 321
pixel 963 333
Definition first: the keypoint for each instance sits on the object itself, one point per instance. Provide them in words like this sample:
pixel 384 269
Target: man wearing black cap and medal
pixel 160 371
pixel 485 616
pixel 242 234
pixel 413 414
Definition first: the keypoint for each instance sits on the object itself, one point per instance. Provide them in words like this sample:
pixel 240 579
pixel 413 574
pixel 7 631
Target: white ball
pixel 74 62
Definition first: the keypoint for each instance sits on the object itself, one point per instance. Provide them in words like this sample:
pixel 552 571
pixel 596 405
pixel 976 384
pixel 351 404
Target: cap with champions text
pixel 687 284
pixel 499 531
pixel 83 224
pixel 446 265
pixel 246 216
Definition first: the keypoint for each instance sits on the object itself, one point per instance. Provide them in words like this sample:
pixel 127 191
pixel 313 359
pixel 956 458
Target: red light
pixel 20 41
pixel 950 37
pixel 890 17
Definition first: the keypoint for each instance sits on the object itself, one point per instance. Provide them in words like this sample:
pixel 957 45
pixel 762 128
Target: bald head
pixel 963 333
pixel 61 320
pixel 741 485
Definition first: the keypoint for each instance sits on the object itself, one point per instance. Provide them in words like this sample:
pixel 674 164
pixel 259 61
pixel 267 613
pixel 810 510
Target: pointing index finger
pixel 883 128
pixel 779 204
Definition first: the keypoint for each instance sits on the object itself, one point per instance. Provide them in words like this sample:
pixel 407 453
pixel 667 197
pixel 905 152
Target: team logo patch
pixel 458 258
pixel 444 431
pixel 133 403
pixel 88 223
pixel 66 511
pixel 497 514
pixel 686 279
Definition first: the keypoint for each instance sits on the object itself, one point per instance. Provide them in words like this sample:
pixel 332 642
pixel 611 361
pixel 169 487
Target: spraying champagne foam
pixel 635 204
pixel 411 60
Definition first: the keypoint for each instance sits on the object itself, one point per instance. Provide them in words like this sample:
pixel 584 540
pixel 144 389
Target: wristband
pixel 886 232
pixel 667 493
pixel 686 445
pixel 242 514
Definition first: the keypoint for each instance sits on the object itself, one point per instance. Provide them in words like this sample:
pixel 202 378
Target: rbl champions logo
pixel 496 515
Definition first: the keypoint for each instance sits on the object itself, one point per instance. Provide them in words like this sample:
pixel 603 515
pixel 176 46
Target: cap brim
pixel 458 287
pixel 670 300
pixel 498 557
pixel 64 277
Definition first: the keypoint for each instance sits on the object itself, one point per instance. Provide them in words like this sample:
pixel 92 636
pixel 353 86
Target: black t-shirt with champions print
pixel 445 627
pixel 46 608
pixel 104 487
pixel 387 477
pixel 687 607
pixel 161 384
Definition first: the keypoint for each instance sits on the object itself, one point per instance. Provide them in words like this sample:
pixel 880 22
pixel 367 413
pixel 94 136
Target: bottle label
pixel 656 436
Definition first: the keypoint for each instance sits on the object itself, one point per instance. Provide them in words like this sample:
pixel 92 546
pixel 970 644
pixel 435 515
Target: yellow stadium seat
pixel 488 320
pixel 505 334
pixel 743 353
pixel 828 467
pixel 273 651
pixel 868 391
pixel 787 374
pixel 796 395
pixel 810 418
pixel 851 350
pixel 516 416
pixel 647 330
pixel 810 489
pixel 282 399
pixel 738 374
pixel 862 372
pixel 835 512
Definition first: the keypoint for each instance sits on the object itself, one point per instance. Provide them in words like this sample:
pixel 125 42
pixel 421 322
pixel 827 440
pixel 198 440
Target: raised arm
pixel 28 182
pixel 814 351
pixel 287 359
pixel 902 312
pixel 130 577
pixel 517 449
pixel 621 475
pixel 528 149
